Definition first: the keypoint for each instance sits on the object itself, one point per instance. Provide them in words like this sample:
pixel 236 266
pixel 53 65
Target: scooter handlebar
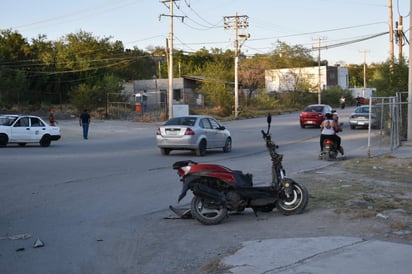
pixel 265 135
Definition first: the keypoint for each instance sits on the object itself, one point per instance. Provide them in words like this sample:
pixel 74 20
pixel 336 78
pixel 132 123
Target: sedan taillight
pixel 189 131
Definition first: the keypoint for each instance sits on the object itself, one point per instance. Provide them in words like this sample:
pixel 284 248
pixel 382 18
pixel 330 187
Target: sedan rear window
pixel 181 121
pixel 7 121
pixel 313 109
pixel 362 110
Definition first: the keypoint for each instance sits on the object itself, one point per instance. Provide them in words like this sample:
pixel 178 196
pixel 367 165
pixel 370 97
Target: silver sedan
pixel 193 132
pixel 360 118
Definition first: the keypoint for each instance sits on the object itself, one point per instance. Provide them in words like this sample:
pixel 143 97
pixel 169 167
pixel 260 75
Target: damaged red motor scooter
pixel 218 190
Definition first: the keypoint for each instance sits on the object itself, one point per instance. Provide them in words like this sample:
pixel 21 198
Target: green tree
pixel 387 83
pixel 216 87
pixel 296 56
pixel 93 96
pixel 252 74
pixel 14 51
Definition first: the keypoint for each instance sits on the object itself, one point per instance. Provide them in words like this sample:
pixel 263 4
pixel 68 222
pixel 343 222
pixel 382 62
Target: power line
pixel 353 41
pixel 82 13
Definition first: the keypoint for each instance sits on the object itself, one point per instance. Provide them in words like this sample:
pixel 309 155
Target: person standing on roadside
pixel 342 102
pixel 84 121
pixel 52 122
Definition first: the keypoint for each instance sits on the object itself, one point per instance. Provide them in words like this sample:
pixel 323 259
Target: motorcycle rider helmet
pixel 328 115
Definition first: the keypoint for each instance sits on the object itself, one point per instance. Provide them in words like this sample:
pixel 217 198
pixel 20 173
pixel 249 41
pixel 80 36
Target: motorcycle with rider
pixel 330 142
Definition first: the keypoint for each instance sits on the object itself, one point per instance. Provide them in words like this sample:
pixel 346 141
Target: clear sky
pixel 146 23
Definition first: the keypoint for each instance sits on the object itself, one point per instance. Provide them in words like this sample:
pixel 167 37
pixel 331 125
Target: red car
pixel 313 115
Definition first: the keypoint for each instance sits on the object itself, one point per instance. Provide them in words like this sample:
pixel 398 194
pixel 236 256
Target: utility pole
pixel 391 46
pixel 409 131
pixel 170 55
pixel 399 37
pixel 319 82
pixel 364 72
pixel 237 22
pixel 170 94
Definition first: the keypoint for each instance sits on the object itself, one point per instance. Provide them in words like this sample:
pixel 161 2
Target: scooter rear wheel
pixel 207 212
pixel 294 203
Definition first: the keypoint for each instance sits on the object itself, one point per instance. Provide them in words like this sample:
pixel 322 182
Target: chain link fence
pixel 129 111
pixel 391 123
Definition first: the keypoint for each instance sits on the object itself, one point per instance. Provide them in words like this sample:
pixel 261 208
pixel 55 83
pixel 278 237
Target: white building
pixel 279 80
pixel 362 92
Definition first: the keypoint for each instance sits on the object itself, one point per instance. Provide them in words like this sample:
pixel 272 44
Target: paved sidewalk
pixel 323 255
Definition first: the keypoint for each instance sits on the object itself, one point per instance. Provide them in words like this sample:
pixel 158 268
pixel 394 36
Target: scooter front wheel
pixel 207 212
pixel 295 202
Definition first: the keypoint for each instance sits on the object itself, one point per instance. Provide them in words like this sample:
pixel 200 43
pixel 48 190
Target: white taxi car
pixel 23 129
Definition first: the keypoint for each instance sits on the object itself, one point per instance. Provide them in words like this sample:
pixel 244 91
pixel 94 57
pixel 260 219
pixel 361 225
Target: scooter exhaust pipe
pixel 204 191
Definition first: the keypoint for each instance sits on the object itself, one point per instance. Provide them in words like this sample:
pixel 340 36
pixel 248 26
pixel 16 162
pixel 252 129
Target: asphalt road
pixel 101 205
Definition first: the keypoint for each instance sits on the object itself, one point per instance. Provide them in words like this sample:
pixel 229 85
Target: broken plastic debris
pixel 22 236
pixel 38 243
pixel 182 213
pixel 380 215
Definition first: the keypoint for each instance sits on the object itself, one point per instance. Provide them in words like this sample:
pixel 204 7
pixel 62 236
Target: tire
pixel 228 145
pixel 295 203
pixel 326 154
pixel 22 144
pixel 165 151
pixel 332 155
pixel 201 150
pixel 352 127
pixel 3 140
pixel 212 215
pixel 45 141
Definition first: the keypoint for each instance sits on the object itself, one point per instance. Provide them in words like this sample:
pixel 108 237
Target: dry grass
pixel 364 186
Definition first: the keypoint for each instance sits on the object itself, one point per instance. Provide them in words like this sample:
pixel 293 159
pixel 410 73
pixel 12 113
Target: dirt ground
pixel 373 193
